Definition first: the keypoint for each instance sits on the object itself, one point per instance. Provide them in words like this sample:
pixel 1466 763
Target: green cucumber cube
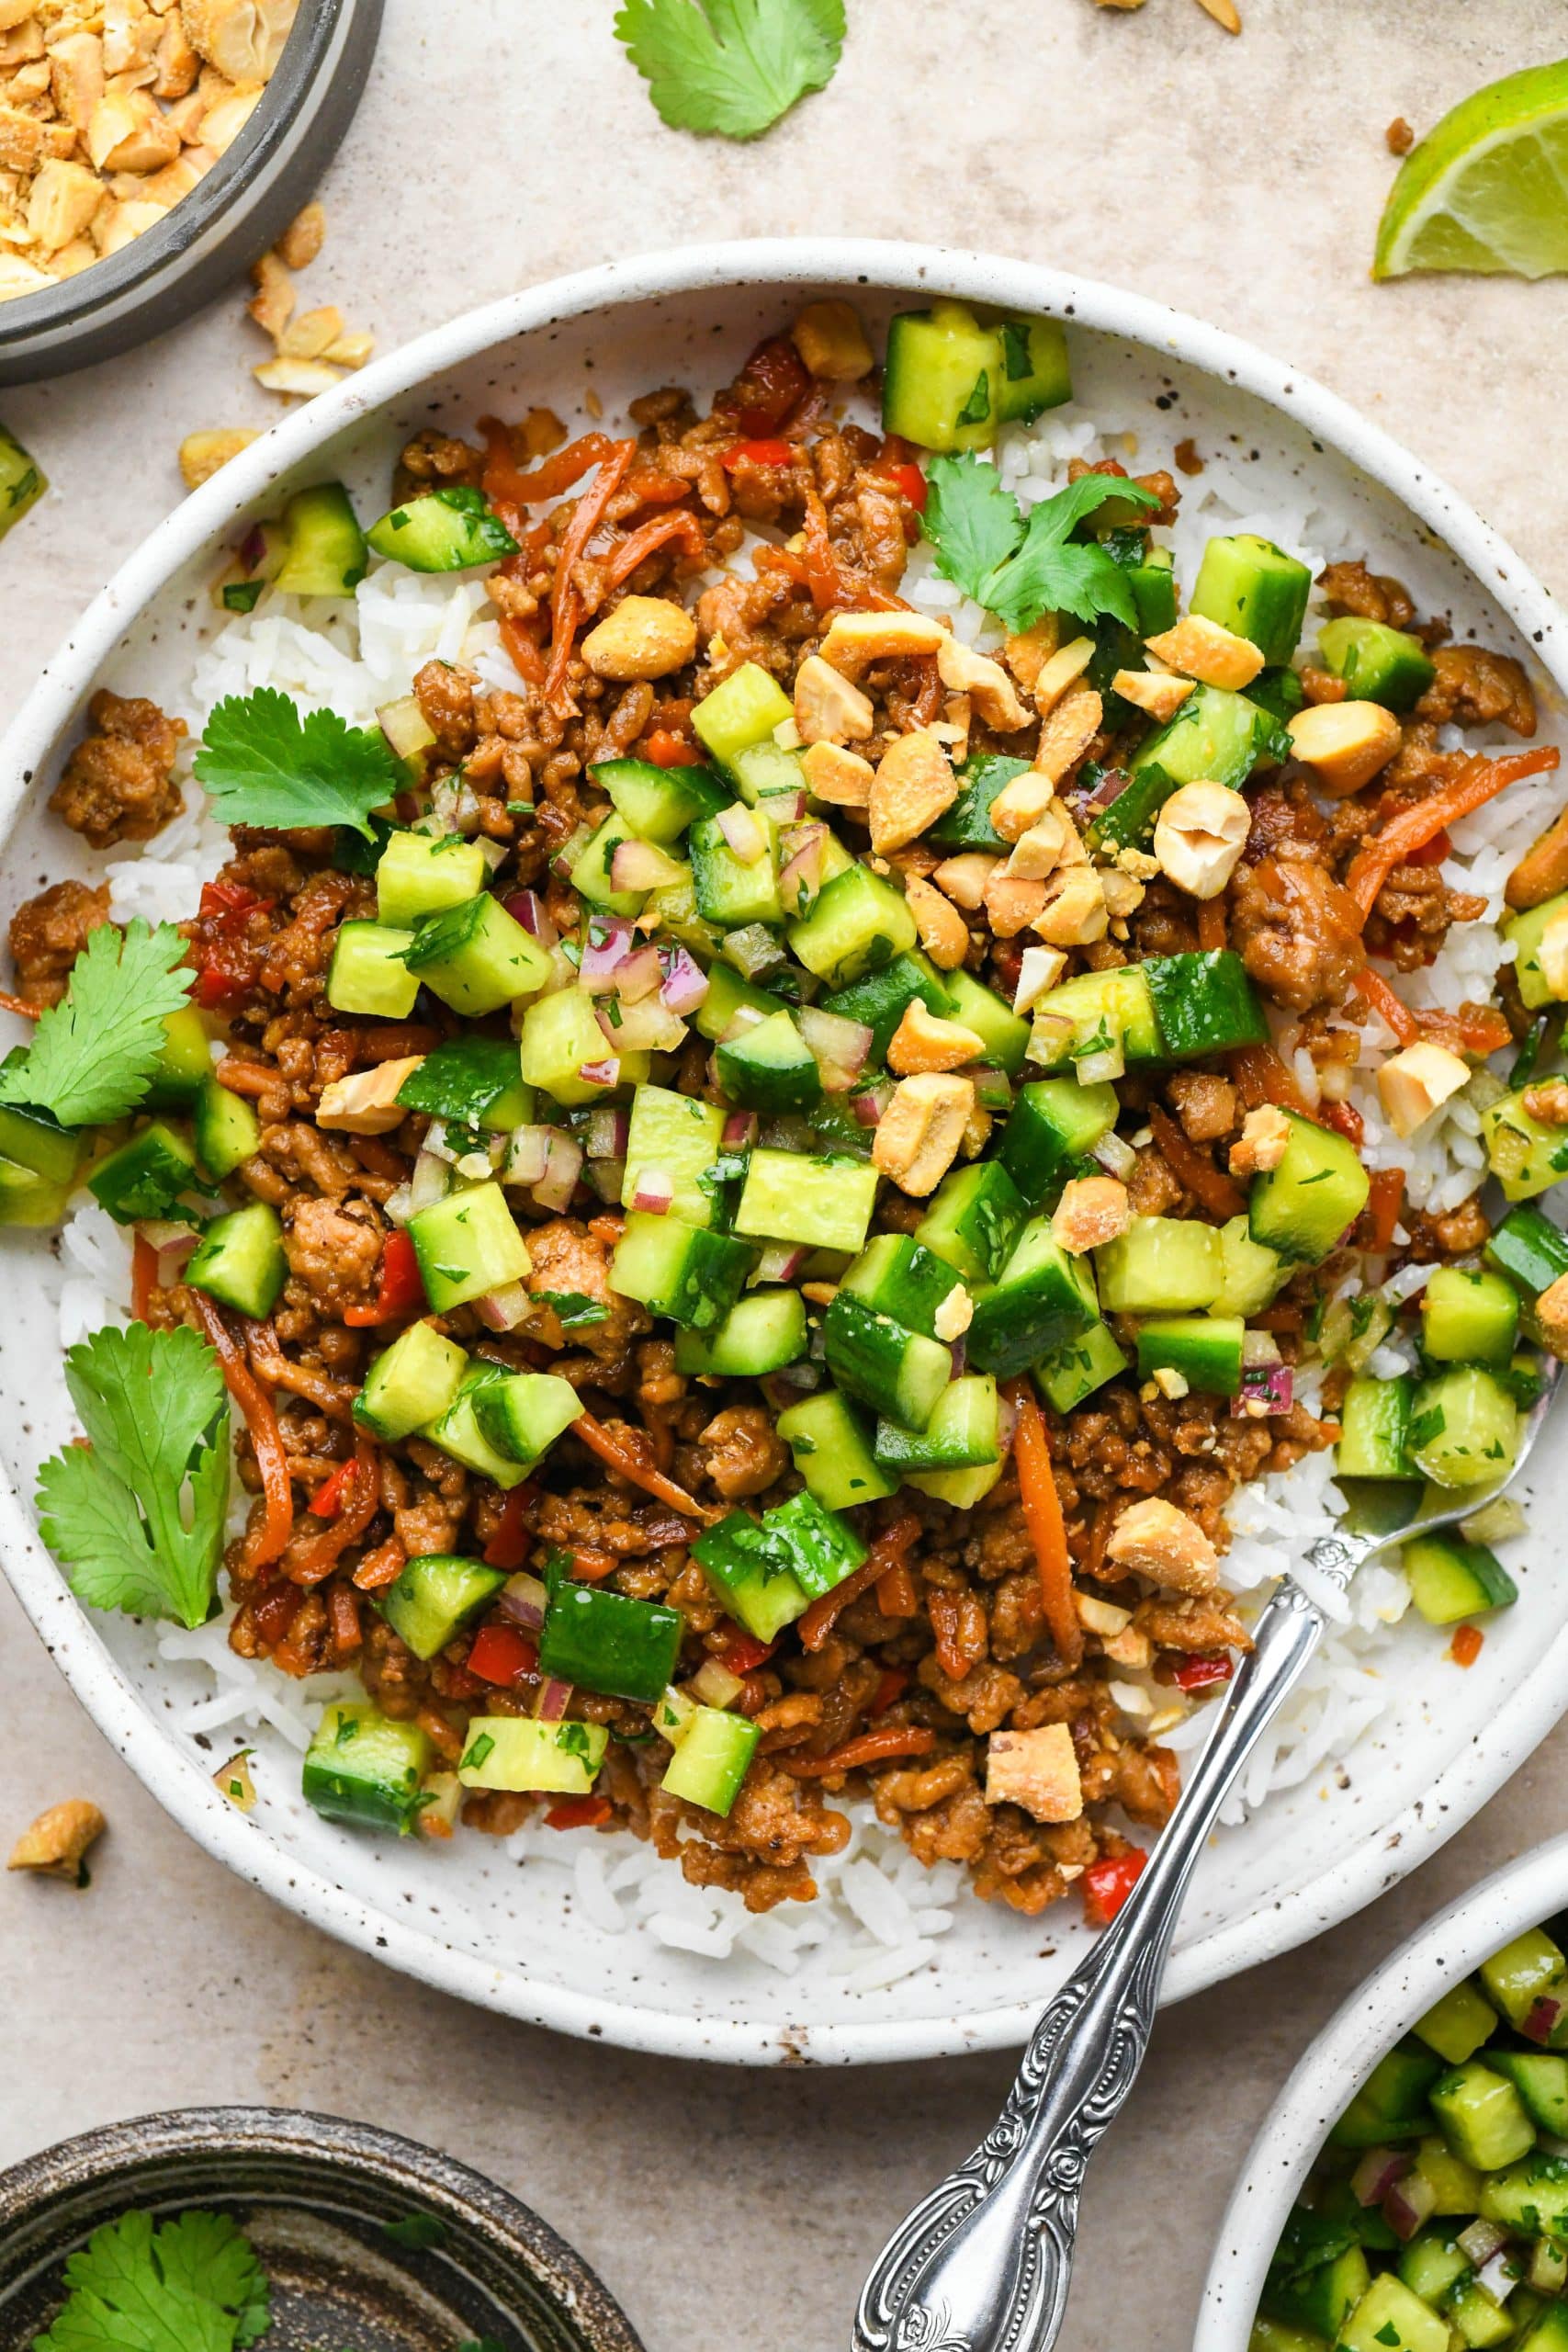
pixel 943 378
pixel 561 1041
pixel 226 1131
pixel 1451 1579
pixel 442 530
pixel 240 1260
pixel 770 1067
pixel 27 1198
pixel 1253 1276
pixel 457 1431
pixel 711 1760
pixel 883 996
pixel 522 1755
pixel 677 1136
pixel 963 1432
pixel 658 803
pixel 365 1770
pixel 36 1140
pixel 1096 1012
pixel 1054 1123
pixel 184 1063
pixel 761 1333
pixel 145 1177
pixel 367 973
pixel 436 1597
pixel 826 1203
pixel 1392 2104
pixel 1042 1298
pixel 882 1364
pixel 1374 1429
pixel 1205 1003
pixel 1079 1368
pixel 1377 663
pixel 1469 1316
pixel 521 1415
pixel 900 1277
pixel 327 555
pixel 1204 1349
pixel 679 1270
pixel 1248 586
pixel 1456 2025
pixel 1526 930
pixel 476 957
pixel 828 1446
pixel 424 874
pixel 742 709
pixel 975 1218
pixel 465 1245
pixel 1003 1033
pixel 1482 2116
pixel 1161 1265
pixel 1527 1970
pixel 966 823
pixel 411 1384
pixel 859 922
pixel 1464 1427
pixel 1524 1154
pixel 1389 2318
pixel 1300 1207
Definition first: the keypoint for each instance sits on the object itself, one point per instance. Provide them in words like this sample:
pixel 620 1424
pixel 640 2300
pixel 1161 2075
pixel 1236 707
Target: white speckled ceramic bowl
pixel 1339 2061
pixel 464 1918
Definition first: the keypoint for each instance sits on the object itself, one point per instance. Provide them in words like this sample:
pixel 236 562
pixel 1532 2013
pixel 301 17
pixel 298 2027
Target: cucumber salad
pixel 725 1187
pixel 1436 2220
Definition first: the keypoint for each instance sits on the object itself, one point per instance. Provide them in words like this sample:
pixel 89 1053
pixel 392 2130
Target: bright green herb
pixel 190 2285
pixel 416 2231
pixel 93 1056
pixel 263 764
pixel 731 66
pixel 1020 569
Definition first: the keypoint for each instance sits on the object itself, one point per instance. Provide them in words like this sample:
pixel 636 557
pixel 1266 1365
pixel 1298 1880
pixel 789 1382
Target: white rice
pixel 883 1912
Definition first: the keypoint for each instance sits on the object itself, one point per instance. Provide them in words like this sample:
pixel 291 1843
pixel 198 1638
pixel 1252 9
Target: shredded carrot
pixel 869 1747
pixel 833 581
pixel 652 486
pixel 945 1611
pixel 1043 1517
pixel 143 1276
pixel 380 1567
pixel 897 1594
pixel 589 1564
pixel 1477 782
pixel 631 1465
pixel 526 658
pixel 503 478
pixel 639 544
pixel 578 1813
pixel 1210 1186
pixel 1465 1647
pixel 19 1004
pixel 319 1556
pixel 347 1632
pixel 1264 1077
pixel 1385 1201
pixel 265 1436
pixel 566 606
pixel 236 1075
pixel 1392 1008
pixel 1473 1029
pixel 887 1552
pixel 1212 925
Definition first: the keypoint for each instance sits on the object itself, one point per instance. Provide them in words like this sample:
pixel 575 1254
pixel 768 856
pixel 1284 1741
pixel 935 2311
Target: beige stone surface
pixel 502 141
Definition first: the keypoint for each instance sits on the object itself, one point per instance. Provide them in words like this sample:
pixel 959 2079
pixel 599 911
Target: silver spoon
pixel 983 2263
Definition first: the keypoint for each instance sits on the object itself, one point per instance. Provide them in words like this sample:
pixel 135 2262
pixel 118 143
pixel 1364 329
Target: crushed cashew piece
pixel 201 454
pixel 828 708
pixel 1165 1544
pixel 1262 1143
pixel 366 1103
pixel 1074 913
pixel 839 778
pixel 1064 669
pixel 955 1315
pixel 1012 901
pixel 1027 654
pixel 943 934
pixel 243 39
pixel 1417 1081
pixel 1037 1769
pixel 1345 744
pixel 913 784
pixel 919 1134
pixel 272 305
pixel 303 238
pixel 1039 970
pixel 1091 1211
pixel 1147 690
pixel 310 333
pixel 832 342
pixel 923 1040
pixel 1102 1617
pixel 986 683
pixel 1203 650
pixel 1200 835
pixel 854 640
pixel 56 1845
pixel 966 878
pixel 301 379
pixel 1551 1317
pixel 645 636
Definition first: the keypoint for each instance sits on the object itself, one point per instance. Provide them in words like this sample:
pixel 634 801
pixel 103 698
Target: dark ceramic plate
pixel 316 2195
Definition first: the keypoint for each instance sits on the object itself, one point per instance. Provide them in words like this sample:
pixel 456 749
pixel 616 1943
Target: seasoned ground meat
pixel 1205 1105
pixel 1475 688
pixel 1370 597
pixel 570 1278
pixel 1299 933
pixel 742 1451
pixel 49 932
pixel 118 784
pixel 332 1253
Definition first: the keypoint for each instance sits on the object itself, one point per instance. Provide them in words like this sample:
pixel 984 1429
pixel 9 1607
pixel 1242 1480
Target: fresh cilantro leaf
pixel 731 66
pixel 574 1309
pixel 193 2285
pixel 1020 569
pixel 263 764
pixel 462 1079
pixel 416 2231
pixel 972 523
pixel 573 1740
pixel 136 1515
pixel 353 853
pixel 476 1753
pixel 93 1056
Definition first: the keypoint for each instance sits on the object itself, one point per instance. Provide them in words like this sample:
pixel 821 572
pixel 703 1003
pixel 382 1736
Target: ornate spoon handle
pixel 981 2264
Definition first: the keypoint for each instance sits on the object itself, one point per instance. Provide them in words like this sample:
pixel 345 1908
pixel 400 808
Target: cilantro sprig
pixel 136 1515
pixel 189 2285
pixel 262 763
pixel 1018 569
pixel 731 66
pixel 93 1056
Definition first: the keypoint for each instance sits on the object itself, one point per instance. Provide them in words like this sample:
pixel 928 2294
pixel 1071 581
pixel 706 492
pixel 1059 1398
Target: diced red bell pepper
pixel 501 1654
pixel 741 1652
pixel 1108 1882
pixel 757 453
pixel 508 1547
pixel 774 380
pixel 1466 1645
pixel 1199 1673
pixel 578 1813
pixel 333 1491
pixel 888 1691
pixel 401 1291
pixel 669 750
pixel 1431 853
pixel 1345 1120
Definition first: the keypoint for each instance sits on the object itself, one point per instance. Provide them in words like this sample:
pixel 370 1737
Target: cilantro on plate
pixel 261 762
pixel 136 1515
pixel 93 1055
pixel 731 66
pixel 1018 569
pixel 189 2285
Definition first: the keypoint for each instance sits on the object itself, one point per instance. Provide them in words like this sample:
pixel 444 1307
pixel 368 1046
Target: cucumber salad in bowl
pixel 754 1099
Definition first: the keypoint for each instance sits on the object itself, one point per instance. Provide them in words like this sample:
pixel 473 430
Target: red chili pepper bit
pixel 1466 1645
pixel 668 750
pixel 756 453
pixel 1200 1672
pixel 1108 1882
pixel 774 380
pixel 401 1290
pixel 333 1492
pixel 502 1655
pixel 742 1653
pixel 578 1813
pixel 509 1546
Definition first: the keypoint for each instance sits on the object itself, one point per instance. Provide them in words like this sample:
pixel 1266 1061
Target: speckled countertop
pixel 504 142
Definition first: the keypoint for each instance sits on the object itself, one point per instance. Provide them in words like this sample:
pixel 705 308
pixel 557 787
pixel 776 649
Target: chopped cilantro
pixel 574 1310
pixel 731 66
pixel 573 1740
pixel 477 1751
pixel 1020 569
pixel 93 1056
pixel 263 764
pixel 189 2285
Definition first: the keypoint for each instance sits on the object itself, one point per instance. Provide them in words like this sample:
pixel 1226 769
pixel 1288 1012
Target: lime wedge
pixel 1487 189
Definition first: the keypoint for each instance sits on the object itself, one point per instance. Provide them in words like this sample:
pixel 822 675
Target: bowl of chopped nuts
pixel 153 153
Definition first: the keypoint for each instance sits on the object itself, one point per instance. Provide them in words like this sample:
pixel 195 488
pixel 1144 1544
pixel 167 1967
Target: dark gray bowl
pixel 233 215
pixel 315 2194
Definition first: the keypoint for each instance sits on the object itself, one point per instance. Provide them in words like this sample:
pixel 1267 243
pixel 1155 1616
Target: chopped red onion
pixel 554 1700
pixel 841 1048
pixel 1376 2174
pixel 609 1131
pixel 1543 2015
pixel 740 1131
pixel 745 1016
pixel 602 1073
pixel 714 1685
pixel 563 1165
pixel 527 908
pixel 525 1600
pixel 1266 1390
pixel 408 731
pixel 1499 2277
pixel 428 1183
pixel 571 850
pixel 1410 2203
pixel 253 547
pixel 648 1026
pixel 686 984
pixel 1481 2241
pixel 780 1262
pixel 527 1155
pixel 655 1191
pixel 959 1349
pixel 1111 786
pixel 868 1107
pixel 747 838
pixel 502 1309
pixel 1007 1422
pixel 802 871
pixel 1115 1156
pixel 641 973
pixel 1096 1070
pixel 610 939
pixel 993 1090
pixel 641 866
pixel 786 808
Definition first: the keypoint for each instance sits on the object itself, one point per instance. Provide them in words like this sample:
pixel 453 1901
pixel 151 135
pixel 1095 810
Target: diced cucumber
pixel 900 1277
pixel 561 1040
pixel 1451 1579
pixel 467 1244
pixel 1464 1427
pixel 742 709
pixel 473 1082
pixel 966 823
pixel 442 530
pixel 424 874
pixel 1374 1429
pixel 240 1260
pixel 679 1270
pixel 1549 2333
pixel 1215 735
pixel 1482 2116
pixel 436 1597
pixel 1042 1298
pixel 457 1431
pixel 881 1000
pixel 226 1131
pixel 1003 1033
pixel 826 1203
pixel 602 1640
pixel 365 1770
pixel 28 1199
pixel 1036 374
pixel 730 997
pixel 711 1760
pixel 1253 1276
pixel 1524 1154
pixel 962 1489
pixel 732 892
pixel 762 1332
pixel 767 1572
pixel 1389 2318
pixel 1052 1123
pixel 1319 1189
pixel 411 1384
pixel 1205 1003
pixel 1161 1265
pixel 1392 2104
pixel 1480 2319
pixel 1524 1972
pixel 1153 583
pixel 522 1753
pixel 674 1136
pixel 1096 1012
pixel 1457 2186
pixel 766 768
pixel 184 1063
pixel 975 1218
pixel 770 1067
pixel 1432 2263
pixel 1079 1368
pixel 36 1140
pixel 1456 2025
pixel 1525 931
pixel 658 803
pixel 1469 1316
pixel 367 973
pixel 521 1415
pixel 1204 1349
pixel 477 957
pixel 1273 2336
pixel 22 481
pixel 857 922
pixel 1540 2079
pixel 591 877
pixel 1315 2278
pixel 963 1432
pixel 1377 663
pixel 1252 588
pixel 830 1447
pixel 885 1366
pixel 327 555
pixel 1530 2196
pixel 146 1175
pixel 941 379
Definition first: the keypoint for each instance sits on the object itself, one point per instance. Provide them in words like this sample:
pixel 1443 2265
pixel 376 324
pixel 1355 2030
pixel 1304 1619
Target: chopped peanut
pixel 1132 1649
pixel 1039 970
pixel 271 304
pixel 350 350
pixel 303 238
pixel 1045 846
pixel 1552 1315
pixel 924 1041
pixel 366 1104
pixel 1160 698
pixel 919 1134
pixel 1345 744
pixel 1165 1544
pixel 832 342
pixel 1065 668
pixel 913 784
pixel 828 707
pixel 311 334
pixel 1027 654
pixel 242 38
pixel 1543 869
pixel 299 379
pixel 856 640
pixel 1012 901
pixel 62 200
pixel 1417 1081
pixel 1074 914
pixel 943 934
pixel 1262 1143
pixel 201 454
pixel 1037 1769
pixel 841 779
pixel 222 123
pixel 966 878
pixel 1200 835
pixel 1124 894
pixel 1102 1617
pixel 1548 1102
pixel 57 1843
pixel 1091 1211
pixel 645 636
pixel 986 682
pixel 1065 738
pixel 1203 649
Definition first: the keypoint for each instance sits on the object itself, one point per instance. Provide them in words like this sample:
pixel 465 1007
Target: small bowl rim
pixel 112 2153
pixel 1367 2024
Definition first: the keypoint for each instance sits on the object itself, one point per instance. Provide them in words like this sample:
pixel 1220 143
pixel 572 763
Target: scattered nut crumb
pixel 303 238
pixel 201 454
pixel 593 403
pixel 1187 457
pixel 56 1845
pixel 1223 13
pixel 1400 136
pixel 314 349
